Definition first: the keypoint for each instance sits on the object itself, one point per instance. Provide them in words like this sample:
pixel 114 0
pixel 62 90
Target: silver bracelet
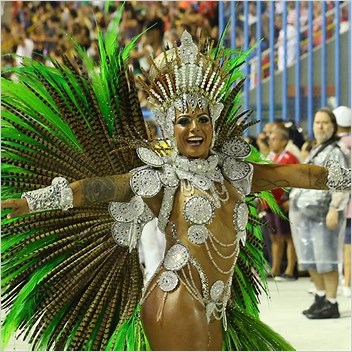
pixel 339 178
pixel 57 196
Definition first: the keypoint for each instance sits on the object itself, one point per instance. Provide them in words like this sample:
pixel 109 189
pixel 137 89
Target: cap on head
pixel 343 116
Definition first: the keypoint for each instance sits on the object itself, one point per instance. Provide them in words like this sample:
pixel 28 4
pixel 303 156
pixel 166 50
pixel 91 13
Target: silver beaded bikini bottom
pixel 176 269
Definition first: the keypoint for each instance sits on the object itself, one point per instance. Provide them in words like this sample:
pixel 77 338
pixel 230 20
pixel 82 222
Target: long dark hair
pixel 333 121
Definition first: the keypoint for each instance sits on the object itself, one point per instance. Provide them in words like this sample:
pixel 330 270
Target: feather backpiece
pixel 66 284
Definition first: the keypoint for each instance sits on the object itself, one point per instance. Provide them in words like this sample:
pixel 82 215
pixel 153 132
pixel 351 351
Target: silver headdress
pixel 183 78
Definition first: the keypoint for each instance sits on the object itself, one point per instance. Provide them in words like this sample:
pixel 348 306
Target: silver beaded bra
pixel 198 210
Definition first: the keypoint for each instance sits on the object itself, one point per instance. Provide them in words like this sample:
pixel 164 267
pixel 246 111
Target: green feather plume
pixel 24 303
pixel 259 337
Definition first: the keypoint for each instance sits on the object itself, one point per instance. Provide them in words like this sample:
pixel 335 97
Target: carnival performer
pixel 75 282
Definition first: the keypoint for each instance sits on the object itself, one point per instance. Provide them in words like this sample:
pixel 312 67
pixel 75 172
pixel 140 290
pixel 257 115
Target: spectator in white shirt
pixel 25 48
pixel 291 35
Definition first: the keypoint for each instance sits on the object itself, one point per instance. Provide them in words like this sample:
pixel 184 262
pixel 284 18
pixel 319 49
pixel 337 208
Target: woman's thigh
pixel 177 321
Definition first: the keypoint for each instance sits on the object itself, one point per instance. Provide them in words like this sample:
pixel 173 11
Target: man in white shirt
pixel 291 35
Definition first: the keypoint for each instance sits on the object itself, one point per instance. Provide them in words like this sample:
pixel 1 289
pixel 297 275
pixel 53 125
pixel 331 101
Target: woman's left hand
pixel 332 219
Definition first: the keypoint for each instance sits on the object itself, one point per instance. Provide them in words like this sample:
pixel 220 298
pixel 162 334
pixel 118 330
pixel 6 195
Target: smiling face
pixel 193 133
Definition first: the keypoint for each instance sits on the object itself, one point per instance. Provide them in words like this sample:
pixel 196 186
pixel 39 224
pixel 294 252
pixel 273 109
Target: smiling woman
pixel 193 133
pixel 72 278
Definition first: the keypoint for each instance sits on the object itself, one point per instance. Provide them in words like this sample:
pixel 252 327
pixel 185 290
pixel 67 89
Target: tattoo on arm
pixel 105 189
pixel 321 180
pixel 315 176
pixel 266 184
pixel 311 177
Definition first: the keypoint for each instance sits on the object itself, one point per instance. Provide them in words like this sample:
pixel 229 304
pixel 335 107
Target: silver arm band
pixel 339 178
pixel 57 196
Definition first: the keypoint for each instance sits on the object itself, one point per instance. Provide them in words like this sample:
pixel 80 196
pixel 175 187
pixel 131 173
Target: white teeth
pixel 195 139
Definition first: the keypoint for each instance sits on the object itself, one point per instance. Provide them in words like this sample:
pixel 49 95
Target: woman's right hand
pixel 18 206
pixel 332 219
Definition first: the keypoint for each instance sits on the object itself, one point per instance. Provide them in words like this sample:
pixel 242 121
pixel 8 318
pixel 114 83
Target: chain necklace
pixel 218 252
pixel 225 272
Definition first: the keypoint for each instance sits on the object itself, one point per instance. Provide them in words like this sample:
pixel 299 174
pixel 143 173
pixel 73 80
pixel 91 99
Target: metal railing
pixel 319 75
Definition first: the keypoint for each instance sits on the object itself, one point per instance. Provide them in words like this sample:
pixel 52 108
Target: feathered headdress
pixel 183 78
pixel 190 76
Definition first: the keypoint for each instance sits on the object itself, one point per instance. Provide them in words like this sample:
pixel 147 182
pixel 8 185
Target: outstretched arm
pixel 268 177
pixel 88 191
pixel 101 190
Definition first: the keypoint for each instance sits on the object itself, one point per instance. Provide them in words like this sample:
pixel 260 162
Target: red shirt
pixel 283 158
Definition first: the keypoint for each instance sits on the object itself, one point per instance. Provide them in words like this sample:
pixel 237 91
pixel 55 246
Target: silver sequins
pixel 198 234
pixel 149 157
pixel 146 183
pixel 240 216
pixel 237 148
pixel 199 210
pixel 236 170
pixel 176 257
pixel 167 281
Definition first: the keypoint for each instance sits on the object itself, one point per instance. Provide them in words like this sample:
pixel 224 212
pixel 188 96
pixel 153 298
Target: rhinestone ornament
pixel 168 281
pixel 57 196
pixel 209 309
pixel 149 157
pixel 146 183
pixel 199 181
pixel 198 210
pixel 236 170
pixel 168 176
pixel 121 233
pixel 240 216
pixel 126 212
pixel 197 165
pixel 198 234
pixel 176 257
pixel 237 148
pixel 217 290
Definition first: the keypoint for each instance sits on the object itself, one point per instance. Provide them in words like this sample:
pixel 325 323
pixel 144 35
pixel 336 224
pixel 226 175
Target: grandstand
pixel 302 61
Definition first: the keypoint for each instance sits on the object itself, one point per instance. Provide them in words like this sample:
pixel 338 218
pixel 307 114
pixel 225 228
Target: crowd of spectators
pixel 285 55
pixel 39 28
